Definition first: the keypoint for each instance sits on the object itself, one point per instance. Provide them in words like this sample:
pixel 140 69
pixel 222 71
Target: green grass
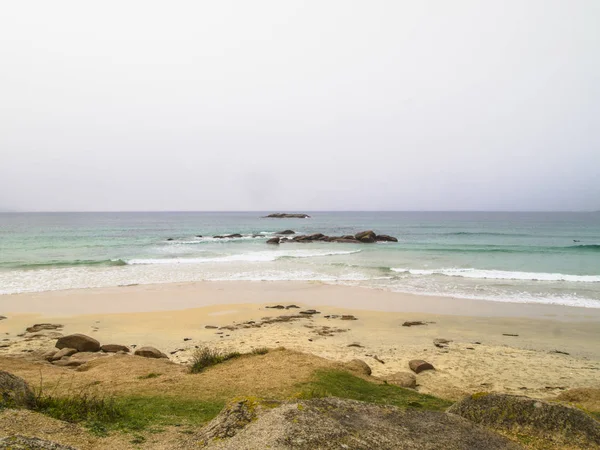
pixel 206 357
pixel 101 415
pixel 150 376
pixel 595 415
pixel 334 383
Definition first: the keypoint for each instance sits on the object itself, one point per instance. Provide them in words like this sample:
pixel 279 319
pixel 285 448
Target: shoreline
pixel 64 302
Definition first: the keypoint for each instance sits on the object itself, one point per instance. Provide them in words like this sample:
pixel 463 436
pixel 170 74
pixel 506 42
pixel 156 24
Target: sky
pixel 300 105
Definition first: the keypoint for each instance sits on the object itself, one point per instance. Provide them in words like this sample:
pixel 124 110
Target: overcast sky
pixel 300 105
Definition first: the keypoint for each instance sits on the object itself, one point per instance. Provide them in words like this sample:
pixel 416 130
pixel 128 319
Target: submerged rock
pixel 286 216
pixel 79 342
pixel 334 423
pixel 385 238
pixel 286 232
pixel 15 392
pixel 274 240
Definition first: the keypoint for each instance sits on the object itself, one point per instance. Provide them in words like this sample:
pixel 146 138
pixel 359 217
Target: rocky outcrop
pixel 150 352
pixel 79 342
pixel 274 241
pixel 552 421
pixel 228 236
pixel 15 392
pixel 65 352
pixel 418 365
pixel 286 216
pixel 366 236
pixel 114 348
pixel 334 423
pixel 385 238
pixel 30 443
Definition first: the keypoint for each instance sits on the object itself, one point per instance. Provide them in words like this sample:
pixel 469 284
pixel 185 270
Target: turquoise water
pixel 518 257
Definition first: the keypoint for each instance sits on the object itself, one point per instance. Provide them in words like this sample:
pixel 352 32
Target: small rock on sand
pixel 43 326
pixel 413 323
pixel 348 317
pixel 441 343
pixel 418 365
pixel 402 379
pixel 62 353
pixel 3 317
pixel 114 348
pixel 310 312
pixel 150 352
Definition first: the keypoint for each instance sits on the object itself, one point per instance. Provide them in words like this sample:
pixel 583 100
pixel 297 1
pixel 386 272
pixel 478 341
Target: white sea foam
pixel 502 275
pixel 264 256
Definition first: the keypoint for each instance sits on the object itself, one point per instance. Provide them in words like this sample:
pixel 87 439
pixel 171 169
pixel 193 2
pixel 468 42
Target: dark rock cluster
pixel 364 237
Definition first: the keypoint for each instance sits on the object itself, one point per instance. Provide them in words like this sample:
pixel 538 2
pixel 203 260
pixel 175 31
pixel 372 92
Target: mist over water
pixel 517 257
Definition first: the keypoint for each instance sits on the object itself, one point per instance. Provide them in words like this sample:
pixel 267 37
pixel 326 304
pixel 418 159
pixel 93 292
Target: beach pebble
pixel 150 352
pixel 79 342
pixel 418 365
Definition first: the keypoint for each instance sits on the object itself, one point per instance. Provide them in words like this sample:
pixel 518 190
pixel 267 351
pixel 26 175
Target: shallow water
pixel 518 257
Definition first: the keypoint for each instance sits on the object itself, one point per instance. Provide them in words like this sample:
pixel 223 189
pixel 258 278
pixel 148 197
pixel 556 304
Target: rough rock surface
pixel 150 352
pixel 402 379
pixel 62 353
pixel 332 423
pixel 30 443
pixel 43 326
pixel 114 348
pixel 366 236
pixel 358 365
pixel 418 365
pixel 385 238
pixel 551 421
pixel 15 392
pixel 79 342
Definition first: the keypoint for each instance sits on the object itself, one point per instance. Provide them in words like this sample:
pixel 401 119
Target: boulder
pixel 418 365
pixel 274 241
pixel 79 342
pixel 402 379
pixel 15 392
pixel 150 352
pixel 347 241
pixel 62 353
pixel 560 423
pixel 49 354
pixel 17 442
pixel 114 348
pixel 335 423
pixel 385 238
pixel 365 236
pixel 359 366
pixel 43 326
pixel 286 232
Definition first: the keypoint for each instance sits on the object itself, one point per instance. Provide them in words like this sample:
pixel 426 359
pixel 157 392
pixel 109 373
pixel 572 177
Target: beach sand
pixel 496 347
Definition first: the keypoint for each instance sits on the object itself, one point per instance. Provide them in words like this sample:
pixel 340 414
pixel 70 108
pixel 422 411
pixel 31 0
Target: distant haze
pixel 300 105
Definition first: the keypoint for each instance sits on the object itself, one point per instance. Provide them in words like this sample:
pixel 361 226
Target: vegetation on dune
pixel 337 383
pixel 205 357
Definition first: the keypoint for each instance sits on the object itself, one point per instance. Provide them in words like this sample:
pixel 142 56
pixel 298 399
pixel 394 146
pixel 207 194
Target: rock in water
pixel 15 392
pixel 418 365
pixel 79 342
pixel 385 238
pixel 559 423
pixel 286 232
pixel 365 236
pixel 150 352
pixel 287 216
pixel 274 240
pixel 30 443
pixel 334 423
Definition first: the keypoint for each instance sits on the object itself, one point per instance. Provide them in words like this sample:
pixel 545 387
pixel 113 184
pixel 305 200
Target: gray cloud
pixel 266 105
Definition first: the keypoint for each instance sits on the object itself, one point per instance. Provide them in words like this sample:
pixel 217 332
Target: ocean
pixel 551 258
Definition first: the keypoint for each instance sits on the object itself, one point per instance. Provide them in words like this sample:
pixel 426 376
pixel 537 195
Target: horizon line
pixel 303 211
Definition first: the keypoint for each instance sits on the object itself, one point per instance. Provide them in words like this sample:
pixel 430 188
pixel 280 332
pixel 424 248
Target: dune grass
pixel 206 357
pixel 337 383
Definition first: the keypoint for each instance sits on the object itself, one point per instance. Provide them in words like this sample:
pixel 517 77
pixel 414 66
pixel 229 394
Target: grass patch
pixel 336 383
pixel 595 415
pixel 206 357
pixel 260 351
pixel 101 415
pixel 150 376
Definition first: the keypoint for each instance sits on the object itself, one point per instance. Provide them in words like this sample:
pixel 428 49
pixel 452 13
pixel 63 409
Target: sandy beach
pixel 537 350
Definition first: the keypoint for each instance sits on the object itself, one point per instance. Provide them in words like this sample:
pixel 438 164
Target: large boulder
pixel 550 421
pixel 274 241
pixel 365 236
pixel 359 366
pixel 15 392
pixel 418 365
pixel 18 442
pixel 79 342
pixel 334 423
pixel 385 238
pixel 150 352
pixel 402 379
